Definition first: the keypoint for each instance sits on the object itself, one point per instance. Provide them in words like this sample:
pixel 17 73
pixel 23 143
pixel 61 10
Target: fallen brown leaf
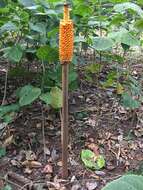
pixel 59 163
pixel 8 141
pixel 31 164
pixel 91 185
pixel 94 148
pixel 48 169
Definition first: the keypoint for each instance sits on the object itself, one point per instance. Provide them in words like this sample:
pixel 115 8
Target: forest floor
pixel 97 122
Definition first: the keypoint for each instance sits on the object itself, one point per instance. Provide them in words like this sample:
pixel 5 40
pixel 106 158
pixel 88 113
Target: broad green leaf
pixel 8 27
pixel 79 39
pixel 100 162
pixel 117 20
pixel 8 108
pixel 7 113
pixel 7 187
pixel 28 94
pixel 91 160
pixel 125 37
pixel 54 1
pixel 130 40
pixel 2 152
pixel 14 53
pixel 118 1
pixel 80 10
pixel 4 10
pixel 52 33
pixel 117 36
pixel 136 89
pixel 2 3
pixel 140 2
pixel 128 5
pixel 136 181
pixel 127 182
pixel 50 12
pixel 139 24
pixel 47 53
pixel 38 27
pixel 111 79
pixel 98 23
pixel 94 68
pixel 129 102
pixel 102 43
pixel 24 16
pixel 27 3
pixel 72 76
pixel 8 118
pixel 88 158
pixel 56 97
pixel 46 98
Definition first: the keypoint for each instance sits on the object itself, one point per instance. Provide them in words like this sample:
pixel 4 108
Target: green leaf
pixel 50 12
pixel 14 53
pixel 80 10
pixel 102 43
pixel 4 10
pixel 129 102
pixel 56 97
pixel 125 37
pixel 127 182
pixel 28 94
pixel 46 98
pixel 24 16
pixel 72 76
pixel 8 118
pixel 2 151
pixel 47 53
pixel 140 2
pixel 38 27
pixel 2 3
pixel 8 27
pixel 88 157
pixel 100 162
pixel 79 39
pixel 8 108
pixel 117 20
pixel 94 68
pixel 136 181
pixel 27 3
pixel 130 40
pixel 54 1
pixel 125 6
pixel 117 36
pixel 7 113
pixel 111 79
pixel 139 24
pixel 7 187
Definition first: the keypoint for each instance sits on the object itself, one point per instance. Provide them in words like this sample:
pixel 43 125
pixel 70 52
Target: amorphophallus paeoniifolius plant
pixel 66 41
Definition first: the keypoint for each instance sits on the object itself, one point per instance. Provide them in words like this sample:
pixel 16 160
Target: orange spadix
pixel 66 37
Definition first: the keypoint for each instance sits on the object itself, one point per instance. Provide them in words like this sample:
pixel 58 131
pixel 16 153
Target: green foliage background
pixel 29 35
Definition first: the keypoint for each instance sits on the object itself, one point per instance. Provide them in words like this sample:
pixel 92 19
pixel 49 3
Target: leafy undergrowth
pixel 98 123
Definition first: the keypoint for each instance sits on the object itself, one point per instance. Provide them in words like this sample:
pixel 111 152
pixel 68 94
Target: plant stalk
pixel 64 120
